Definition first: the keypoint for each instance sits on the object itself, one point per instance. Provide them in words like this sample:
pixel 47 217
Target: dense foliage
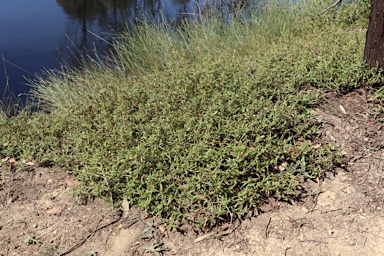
pixel 198 123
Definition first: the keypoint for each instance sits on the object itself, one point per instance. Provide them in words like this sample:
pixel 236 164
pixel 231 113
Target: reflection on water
pixel 91 22
pixel 44 33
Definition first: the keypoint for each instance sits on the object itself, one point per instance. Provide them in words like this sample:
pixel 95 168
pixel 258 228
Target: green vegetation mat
pixel 200 123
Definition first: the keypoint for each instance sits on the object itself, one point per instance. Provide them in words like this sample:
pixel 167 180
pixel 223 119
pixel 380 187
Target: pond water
pixel 43 34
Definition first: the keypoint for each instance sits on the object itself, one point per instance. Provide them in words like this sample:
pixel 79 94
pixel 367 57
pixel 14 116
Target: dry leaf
pixel 29 164
pixel 317 146
pixel 11 160
pixel 72 183
pixel 125 206
pixel 201 238
pixel 282 166
pixel 55 210
pixel 342 109
pixel 332 138
pixel 163 230
pixel 10 200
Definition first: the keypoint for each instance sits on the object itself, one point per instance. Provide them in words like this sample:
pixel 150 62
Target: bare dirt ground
pixel 340 215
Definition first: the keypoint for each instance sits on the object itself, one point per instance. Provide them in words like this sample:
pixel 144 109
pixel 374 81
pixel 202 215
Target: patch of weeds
pixel 3 177
pixel 216 122
pixel 31 240
pixel 198 144
pixel 82 195
pixel 3 116
pixel 323 64
pixel 46 250
pixel 3 162
pixel 155 249
pixel 149 230
pixel 376 99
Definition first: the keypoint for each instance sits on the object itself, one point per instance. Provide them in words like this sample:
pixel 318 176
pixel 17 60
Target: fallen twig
pixel 133 221
pixel 313 241
pixel 286 250
pixel 223 232
pixel 266 228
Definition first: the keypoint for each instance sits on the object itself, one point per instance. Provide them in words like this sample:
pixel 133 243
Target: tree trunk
pixel 374 44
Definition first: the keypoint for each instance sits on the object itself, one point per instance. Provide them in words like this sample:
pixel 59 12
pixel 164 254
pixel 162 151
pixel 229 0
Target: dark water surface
pixel 41 34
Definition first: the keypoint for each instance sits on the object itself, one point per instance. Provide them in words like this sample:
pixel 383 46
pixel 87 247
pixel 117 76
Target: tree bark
pixel 374 44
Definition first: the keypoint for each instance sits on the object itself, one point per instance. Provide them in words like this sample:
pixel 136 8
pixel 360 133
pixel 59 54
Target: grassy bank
pixel 198 123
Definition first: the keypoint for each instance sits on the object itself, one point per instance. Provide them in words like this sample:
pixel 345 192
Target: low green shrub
pixel 195 144
pixel 199 123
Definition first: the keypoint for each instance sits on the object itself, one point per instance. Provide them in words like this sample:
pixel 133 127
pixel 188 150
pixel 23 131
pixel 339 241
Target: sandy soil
pixel 340 215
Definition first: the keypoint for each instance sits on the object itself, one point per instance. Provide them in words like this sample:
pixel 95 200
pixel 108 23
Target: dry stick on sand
pixel 313 241
pixel 133 221
pixel 266 228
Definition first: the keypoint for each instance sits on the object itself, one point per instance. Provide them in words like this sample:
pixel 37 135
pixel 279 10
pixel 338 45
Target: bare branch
pixel 331 6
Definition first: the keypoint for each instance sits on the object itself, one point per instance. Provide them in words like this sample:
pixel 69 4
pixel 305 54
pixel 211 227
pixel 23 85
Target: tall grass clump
pixel 198 122
pixel 209 36
pixel 149 48
pixel 11 105
pixel 3 115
